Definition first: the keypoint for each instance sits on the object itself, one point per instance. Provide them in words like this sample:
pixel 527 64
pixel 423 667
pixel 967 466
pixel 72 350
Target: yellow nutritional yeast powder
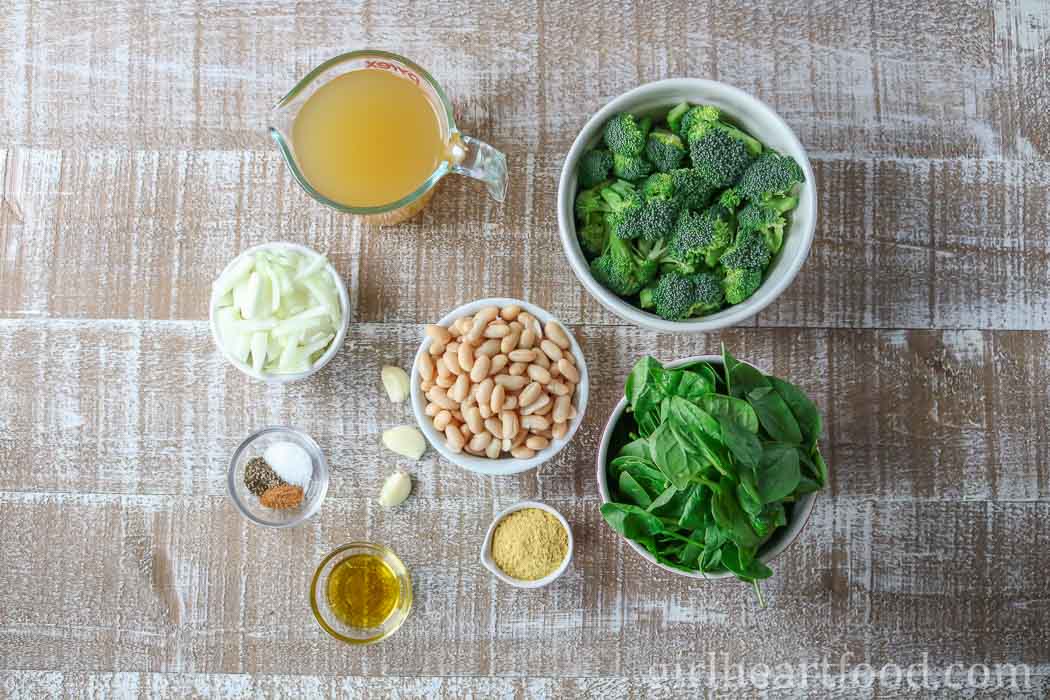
pixel 363 591
pixel 529 544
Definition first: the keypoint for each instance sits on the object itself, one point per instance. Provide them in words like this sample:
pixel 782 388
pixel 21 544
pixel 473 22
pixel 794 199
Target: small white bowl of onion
pixel 279 312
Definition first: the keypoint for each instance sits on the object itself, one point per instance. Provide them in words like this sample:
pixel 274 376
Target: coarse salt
pixel 291 462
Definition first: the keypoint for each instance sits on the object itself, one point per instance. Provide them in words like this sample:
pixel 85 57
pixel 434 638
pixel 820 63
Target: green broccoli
pixel 621 269
pixel 631 167
pixel 691 189
pixel 749 252
pixel 768 221
pixel 590 202
pixel 626 135
pixel 654 220
pixel 771 177
pixel 720 157
pixel 674 117
pixel 658 186
pixel 593 235
pixel 699 113
pixel 623 200
pixel 594 167
pixel 665 150
pixel 701 238
pixel 730 199
pixel 676 296
pixel 740 283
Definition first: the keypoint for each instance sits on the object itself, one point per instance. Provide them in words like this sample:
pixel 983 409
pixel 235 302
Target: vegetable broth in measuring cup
pixel 368 138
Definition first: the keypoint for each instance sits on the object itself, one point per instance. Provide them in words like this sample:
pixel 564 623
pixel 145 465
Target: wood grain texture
pixel 134 161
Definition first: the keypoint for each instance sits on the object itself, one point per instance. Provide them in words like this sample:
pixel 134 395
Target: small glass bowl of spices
pixel 361 593
pixel 278 477
pixel 528 545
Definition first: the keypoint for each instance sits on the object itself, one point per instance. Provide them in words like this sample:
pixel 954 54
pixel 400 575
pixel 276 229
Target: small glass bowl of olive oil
pixel 361 593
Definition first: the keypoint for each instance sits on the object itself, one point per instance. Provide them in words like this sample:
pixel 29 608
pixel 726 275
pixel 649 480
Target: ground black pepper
pixel 259 476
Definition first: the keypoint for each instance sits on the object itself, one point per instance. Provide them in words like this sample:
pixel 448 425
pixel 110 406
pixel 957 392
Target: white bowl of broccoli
pixel 686 205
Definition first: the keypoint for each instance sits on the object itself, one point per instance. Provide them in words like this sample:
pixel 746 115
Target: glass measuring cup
pixel 464 155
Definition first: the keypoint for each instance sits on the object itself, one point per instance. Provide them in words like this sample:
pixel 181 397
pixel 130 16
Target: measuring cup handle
pixel 483 162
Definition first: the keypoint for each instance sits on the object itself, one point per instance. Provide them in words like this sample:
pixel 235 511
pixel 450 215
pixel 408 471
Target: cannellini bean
pixel 432 409
pixel 558 388
pixel 489 347
pixel 459 391
pixel 499 393
pixel 572 413
pixel 488 314
pixel 561 409
pixel 441 367
pixel 555 372
pixel 530 393
pixel 464 430
pixel 545 409
pixel 465 355
pixel 426 386
pixel 454 439
pixel 507 444
pixel 536 442
pixel 570 372
pixel 542 360
pixel 510 341
pixel 571 358
pixel 484 395
pixel 555 332
pixel 535 423
pixel 493 449
pixel 516 326
pixel 446 382
pixel 536 406
pixel 480 441
pixel 517 369
pixel 442 420
pixel 451 360
pixel 481 368
pixel 510 403
pixel 560 430
pixel 539 374
pixel 510 382
pixel 464 325
pixel 472 417
pixel 530 322
pixel 465 406
pixel 452 347
pixel 550 349
pixel 476 330
pixel 485 410
pixel 528 339
pixel 437 349
pixel 525 356
pixel 509 313
pixel 499 363
pixel 495 427
pixel 510 422
pixel 439 334
pixel 437 395
pixel 522 452
pixel 497 330
pixel 426 368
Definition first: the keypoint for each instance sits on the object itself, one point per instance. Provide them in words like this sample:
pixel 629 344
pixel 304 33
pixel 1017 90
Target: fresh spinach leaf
pixel 630 488
pixel 664 499
pixel 635 448
pixel 778 472
pixel 643 471
pixel 692 386
pixel 668 453
pixel 731 518
pixel 697 506
pixel 743 445
pixel 774 415
pixel 709 449
pixel 751 505
pixel 730 408
pixel 690 417
pixel 632 522
pixel 804 410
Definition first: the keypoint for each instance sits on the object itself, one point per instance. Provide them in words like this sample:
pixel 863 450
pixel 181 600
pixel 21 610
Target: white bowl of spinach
pixel 710 468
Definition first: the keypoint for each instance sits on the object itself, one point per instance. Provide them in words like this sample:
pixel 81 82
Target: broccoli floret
pixel 730 199
pixel 768 221
pixel 631 167
pixel 664 150
pixel 701 238
pixel 750 252
pixel 621 269
pixel 593 234
pixel 699 113
pixel 658 186
pixel 674 117
pixel 740 283
pixel 720 157
pixel 691 189
pixel 623 201
pixel 771 177
pixel 590 201
pixel 676 296
pixel 625 135
pixel 654 220
pixel 594 167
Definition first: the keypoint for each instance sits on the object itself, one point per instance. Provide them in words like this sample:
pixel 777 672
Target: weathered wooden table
pixel 133 139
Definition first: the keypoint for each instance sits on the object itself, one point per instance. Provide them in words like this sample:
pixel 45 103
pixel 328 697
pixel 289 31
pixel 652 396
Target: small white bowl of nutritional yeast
pixel 318 269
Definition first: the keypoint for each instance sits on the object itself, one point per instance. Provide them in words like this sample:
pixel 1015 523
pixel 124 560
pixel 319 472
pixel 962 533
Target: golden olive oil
pixel 367 138
pixel 363 591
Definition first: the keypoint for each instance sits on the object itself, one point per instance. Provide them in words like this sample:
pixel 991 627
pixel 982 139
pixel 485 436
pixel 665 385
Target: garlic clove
pixel 395 490
pixel 395 381
pixel 405 440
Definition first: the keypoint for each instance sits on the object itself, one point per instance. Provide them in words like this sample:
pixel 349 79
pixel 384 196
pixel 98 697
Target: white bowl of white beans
pixel 540 396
